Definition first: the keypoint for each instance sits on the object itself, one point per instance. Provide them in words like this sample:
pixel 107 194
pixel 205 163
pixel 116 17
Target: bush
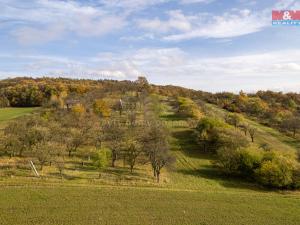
pixel 228 160
pixel 188 108
pixel 250 160
pixel 239 161
pixel 272 169
pixel 277 172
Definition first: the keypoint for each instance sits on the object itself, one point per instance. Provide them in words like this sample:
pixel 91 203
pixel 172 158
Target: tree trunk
pixel 294 133
pixel 113 159
pixel 131 168
pixel 157 176
pixel 124 161
pixel 70 153
pixel 21 152
pixel 252 138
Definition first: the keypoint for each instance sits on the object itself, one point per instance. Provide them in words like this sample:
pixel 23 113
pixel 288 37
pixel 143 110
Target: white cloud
pixel 30 35
pixel 228 25
pixel 176 21
pixel 276 70
pixel 195 1
pixel 49 20
pixel 132 4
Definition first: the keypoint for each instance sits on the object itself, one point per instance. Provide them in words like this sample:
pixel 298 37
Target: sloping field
pixel 12 113
pixel 192 192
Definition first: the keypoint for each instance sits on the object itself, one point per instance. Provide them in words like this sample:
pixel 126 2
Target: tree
pixel 42 151
pixel 132 150
pixel 207 133
pixel 142 83
pixel 22 134
pixel 101 108
pixel 4 102
pixel 252 132
pixel 102 159
pixel 73 140
pixel 244 127
pixel 292 124
pixel 60 165
pixel 114 135
pixel 233 119
pixel 78 109
pixel 155 146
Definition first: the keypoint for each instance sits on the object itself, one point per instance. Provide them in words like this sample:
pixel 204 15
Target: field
pixel 113 205
pixel 193 192
pixel 7 114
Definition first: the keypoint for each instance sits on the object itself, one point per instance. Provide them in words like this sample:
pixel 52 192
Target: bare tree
pixel 155 146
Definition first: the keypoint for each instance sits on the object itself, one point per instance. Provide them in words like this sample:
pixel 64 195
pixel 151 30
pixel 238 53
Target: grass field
pixel 193 192
pixel 116 206
pixel 7 114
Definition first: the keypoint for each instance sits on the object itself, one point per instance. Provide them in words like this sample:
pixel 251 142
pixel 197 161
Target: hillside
pixel 192 190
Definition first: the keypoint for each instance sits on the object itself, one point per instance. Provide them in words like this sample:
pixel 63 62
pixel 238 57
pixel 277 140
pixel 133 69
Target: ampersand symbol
pixel 286 15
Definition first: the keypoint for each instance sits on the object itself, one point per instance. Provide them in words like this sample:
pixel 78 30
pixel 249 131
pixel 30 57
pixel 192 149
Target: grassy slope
pixel 272 137
pixel 7 114
pixel 115 206
pixel 193 193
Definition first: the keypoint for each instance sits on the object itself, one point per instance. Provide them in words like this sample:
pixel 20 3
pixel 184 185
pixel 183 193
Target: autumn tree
pixel 101 108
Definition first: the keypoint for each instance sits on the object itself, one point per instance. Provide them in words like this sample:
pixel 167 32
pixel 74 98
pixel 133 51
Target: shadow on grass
pixel 172 117
pixel 212 173
pixel 186 141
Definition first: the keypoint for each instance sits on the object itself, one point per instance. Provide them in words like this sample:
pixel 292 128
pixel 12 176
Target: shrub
pixel 250 160
pixel 228 160
pixel 272 169
pixel 188 108
pixel 239 161
pixel 276 173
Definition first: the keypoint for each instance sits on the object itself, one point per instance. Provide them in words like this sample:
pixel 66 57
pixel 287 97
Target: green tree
pixel 102 159
pixel 234 119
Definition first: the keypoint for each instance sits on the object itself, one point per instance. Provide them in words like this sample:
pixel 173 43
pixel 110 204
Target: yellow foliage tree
pixel 101 108
pixel 78 109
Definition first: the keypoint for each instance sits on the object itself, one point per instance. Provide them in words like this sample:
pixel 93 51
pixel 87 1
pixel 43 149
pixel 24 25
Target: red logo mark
pixel 286 15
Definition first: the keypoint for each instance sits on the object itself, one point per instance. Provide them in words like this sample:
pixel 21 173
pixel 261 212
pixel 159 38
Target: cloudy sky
pixel 212 45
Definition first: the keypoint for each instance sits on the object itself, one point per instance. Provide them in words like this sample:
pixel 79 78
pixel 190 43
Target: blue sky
pixel 211 45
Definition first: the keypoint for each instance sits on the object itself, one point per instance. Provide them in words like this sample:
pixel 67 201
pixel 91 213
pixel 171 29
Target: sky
pixel 210 45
